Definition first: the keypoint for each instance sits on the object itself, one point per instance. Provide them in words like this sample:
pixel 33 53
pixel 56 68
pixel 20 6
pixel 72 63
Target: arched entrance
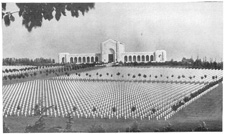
pixel 96 59
pixel 125 58
pixel 151 58
pixel 92 59
pixel 111 55
pixel 143 58
pixel 88 59
pixel 79 59
pixel 147 58
pixel 75 60
pixel 63 59
pixel 130 58
pixel 84 60
pixel 71 59
pixel 134 58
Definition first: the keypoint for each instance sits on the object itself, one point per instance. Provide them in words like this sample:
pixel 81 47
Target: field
pixel 185 120
pixel 146 95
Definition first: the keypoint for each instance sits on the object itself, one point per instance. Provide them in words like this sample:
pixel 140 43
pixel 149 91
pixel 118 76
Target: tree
pixel 4 77
pixel 186 99
pixel 118 73
pixel 10 77
pixel 56 108
pixel 74 108
pixel 153 110
pixel 139 75
pixel 133 109
pixel 114 109
pixel 18 107
pixel 34 13
pixel 144 76
pixel 70 121
pixel 94 109
pixel 39 110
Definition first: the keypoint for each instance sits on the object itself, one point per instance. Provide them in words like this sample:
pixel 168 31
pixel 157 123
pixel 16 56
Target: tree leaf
pixel 57 15
pixel 3 6
pixel 32 13
pixel 12 18
pixel 3 15
pixel 7 20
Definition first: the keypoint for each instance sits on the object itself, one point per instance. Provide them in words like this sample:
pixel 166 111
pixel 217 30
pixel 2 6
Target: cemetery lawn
pixel 44 76
pixel 208 109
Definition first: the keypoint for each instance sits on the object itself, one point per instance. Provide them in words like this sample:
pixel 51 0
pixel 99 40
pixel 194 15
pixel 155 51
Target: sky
pixel 187 29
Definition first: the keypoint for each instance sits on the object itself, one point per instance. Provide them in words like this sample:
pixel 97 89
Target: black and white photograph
pixel 112 67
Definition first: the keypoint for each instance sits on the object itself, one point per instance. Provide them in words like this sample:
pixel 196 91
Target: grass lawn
pixel 208 108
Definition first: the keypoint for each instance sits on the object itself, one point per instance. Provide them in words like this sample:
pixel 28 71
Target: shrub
pixel 5 78
pixel 133 108
pixel 94 109
pixel 186 99
pixel 153 110
pixel 10 77
pixel 114 109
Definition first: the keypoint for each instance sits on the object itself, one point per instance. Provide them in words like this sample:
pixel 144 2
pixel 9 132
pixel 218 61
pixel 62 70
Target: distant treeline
pixel 27 61
pixel 187 63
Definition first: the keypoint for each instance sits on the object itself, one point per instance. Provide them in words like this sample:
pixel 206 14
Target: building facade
pixel 113 51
